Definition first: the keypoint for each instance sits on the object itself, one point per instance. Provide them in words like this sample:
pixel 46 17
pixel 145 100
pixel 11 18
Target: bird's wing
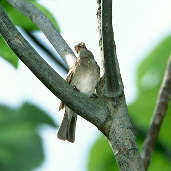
pixel 68 79
pixel 61 106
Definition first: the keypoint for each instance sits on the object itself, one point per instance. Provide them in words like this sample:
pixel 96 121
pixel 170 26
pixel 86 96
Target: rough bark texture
pixel 158 116
pixel 122 138
pixel 119 129
pixel 108 49
pixel 107 46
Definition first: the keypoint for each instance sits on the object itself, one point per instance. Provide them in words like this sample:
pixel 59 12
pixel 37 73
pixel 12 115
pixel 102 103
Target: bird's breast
pixel 87 82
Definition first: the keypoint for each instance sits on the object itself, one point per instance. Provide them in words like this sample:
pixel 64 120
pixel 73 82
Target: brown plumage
pixel 83 75
pixel 68 79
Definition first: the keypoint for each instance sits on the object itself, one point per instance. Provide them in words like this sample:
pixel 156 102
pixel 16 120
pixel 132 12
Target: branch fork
pixel 108 112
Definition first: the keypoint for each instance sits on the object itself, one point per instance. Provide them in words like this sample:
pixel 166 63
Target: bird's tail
pixel 67 128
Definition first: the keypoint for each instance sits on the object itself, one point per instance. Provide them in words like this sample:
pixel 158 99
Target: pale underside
pixel 84 78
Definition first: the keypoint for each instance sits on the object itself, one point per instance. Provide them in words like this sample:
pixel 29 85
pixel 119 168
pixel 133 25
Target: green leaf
pixel 17 17
pixel 150 71
pixel 159 162
pixel 7 53
pixel 20 20
pixel 20 144
pixel 149 77
pixel 101 157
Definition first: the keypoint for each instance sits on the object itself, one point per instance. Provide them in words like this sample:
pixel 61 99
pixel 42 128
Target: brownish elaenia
pixel 83 76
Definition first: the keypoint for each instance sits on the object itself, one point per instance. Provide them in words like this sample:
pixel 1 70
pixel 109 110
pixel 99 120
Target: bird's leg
pixel 75 88
pixel 94 95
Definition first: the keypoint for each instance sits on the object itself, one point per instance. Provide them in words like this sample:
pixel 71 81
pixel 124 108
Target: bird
pixel 82 76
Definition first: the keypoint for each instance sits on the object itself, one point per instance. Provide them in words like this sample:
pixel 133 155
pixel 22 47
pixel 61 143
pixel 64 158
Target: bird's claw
pixel 75 88
pixel 93 95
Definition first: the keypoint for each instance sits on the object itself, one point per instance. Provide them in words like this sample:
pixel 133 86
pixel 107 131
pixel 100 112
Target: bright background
pixel 138 27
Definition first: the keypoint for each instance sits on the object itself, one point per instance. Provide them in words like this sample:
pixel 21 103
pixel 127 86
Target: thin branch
pixel 92 110
pixel 47 51
pixel 161 148
pixel 112 87
pixel 46 26
pixel 158 116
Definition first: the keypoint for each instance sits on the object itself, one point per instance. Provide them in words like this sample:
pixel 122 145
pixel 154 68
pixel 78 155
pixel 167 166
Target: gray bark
pixel 46 50
pixel 119 128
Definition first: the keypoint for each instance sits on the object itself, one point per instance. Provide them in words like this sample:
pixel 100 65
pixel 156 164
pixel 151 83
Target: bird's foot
pixel 93 95
pixel 75 88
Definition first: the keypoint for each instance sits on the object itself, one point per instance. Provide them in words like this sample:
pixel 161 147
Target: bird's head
pixel 79 46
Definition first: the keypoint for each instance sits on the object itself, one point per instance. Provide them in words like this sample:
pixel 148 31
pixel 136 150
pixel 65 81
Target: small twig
pixel 163 149
pixel 109 49
pixel 158 116
pixel 46 26
pixel 47 51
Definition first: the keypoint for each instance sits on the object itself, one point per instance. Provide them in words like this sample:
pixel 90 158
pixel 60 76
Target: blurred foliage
pixel 149 77
pixel 101 156
pixel 20 144
pixel 25 23
pixel 7 53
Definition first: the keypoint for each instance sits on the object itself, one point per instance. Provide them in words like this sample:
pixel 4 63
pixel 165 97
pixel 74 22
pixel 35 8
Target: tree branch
pixel 108 49
pixel 45 25
pixel 93 110
pixel 122 139
pixel 120 131
pixel 161 148
pixel 158 116
pixel 47 51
